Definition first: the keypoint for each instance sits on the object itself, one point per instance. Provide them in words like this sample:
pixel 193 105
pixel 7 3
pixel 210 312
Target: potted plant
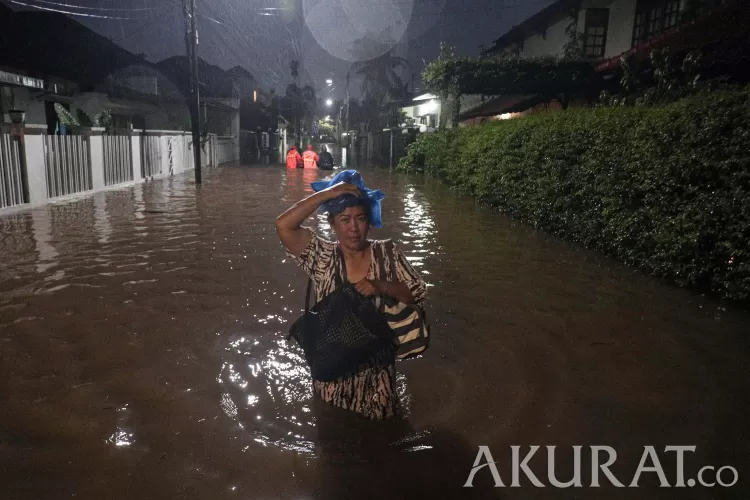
pixel 16 115
pixel 8 105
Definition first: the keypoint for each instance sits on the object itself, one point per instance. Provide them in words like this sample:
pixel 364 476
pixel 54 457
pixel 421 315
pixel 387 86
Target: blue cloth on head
pixel 371 197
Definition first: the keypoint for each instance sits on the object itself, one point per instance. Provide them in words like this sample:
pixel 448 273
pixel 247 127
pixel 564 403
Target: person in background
pixel 326 159
pixel 310 157
pixel 293 158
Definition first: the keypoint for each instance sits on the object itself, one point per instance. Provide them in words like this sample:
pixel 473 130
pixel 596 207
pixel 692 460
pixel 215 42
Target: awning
pixel 21 80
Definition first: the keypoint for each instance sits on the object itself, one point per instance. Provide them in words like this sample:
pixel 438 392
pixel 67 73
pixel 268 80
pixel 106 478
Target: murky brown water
pixel 143 351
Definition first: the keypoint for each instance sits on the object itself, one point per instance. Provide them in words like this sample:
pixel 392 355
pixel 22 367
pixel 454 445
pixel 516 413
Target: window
pixel 595 34
pixel 653 17
pixel 672 15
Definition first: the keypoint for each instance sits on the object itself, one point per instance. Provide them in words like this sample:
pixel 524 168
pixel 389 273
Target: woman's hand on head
pixel 342 188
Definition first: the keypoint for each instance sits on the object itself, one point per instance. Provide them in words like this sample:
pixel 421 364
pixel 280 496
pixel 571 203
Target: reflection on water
pixel 143 332
pixel 101 219
pixel 42 231
pixel 122 436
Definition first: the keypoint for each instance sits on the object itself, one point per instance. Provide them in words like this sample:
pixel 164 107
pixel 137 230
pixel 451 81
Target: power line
pixel 82 7
pixel 72 13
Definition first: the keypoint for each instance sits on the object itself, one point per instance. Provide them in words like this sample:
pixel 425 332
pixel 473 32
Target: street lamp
pixel 329 82
pixel 329 102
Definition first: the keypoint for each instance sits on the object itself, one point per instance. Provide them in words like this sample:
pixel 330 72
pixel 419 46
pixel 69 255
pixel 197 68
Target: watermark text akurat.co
pixel 602 458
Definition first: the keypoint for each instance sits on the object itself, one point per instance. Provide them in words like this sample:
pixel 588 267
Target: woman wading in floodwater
pixel 371 391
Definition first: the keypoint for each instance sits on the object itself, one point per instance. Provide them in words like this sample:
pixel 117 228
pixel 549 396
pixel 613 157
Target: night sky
pixel 263 36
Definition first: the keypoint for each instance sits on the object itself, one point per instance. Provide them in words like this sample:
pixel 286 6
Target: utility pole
pixel 191 40
pixel 348 136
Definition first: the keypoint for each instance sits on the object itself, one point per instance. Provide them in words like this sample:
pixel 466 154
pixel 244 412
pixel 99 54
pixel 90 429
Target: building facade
pixel 602 28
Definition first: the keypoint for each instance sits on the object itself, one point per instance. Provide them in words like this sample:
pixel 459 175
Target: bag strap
pixel 337 277
pixel 393 277
pixel 307 295
pixel 310 281
pixel 392 258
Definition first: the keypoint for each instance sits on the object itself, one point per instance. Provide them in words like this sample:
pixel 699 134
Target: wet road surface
pixel 143 355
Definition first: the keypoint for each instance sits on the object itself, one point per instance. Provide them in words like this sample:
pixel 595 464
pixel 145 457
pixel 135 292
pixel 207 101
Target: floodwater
pixel 143 355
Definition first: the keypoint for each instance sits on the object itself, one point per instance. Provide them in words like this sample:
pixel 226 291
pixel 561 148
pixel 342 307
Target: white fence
pixel 67 164
pixel 118 159
pixel 36 168
pixel 12 182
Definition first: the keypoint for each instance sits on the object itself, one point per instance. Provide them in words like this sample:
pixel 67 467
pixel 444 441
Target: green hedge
pixel 664 189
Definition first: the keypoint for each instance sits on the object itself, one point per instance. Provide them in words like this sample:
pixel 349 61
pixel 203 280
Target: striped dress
pixel 371 392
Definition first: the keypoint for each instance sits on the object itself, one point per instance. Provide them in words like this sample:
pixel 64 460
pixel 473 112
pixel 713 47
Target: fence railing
pixel 118 159
pixel 13 190
pixel 68 164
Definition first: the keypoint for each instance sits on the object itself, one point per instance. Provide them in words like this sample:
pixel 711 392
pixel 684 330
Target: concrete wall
pixel 547 43
pixel 229 149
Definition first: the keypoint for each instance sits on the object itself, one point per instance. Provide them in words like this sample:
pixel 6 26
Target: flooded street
pixel 143 355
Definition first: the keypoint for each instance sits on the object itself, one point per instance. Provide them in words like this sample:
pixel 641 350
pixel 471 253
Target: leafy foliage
pixel 665 189
pixel 661 80
pixel 547 76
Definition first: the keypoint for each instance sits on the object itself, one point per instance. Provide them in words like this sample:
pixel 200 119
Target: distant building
pixel 423 111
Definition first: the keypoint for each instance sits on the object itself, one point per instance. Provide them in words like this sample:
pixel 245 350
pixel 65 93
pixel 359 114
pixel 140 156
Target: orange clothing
pixel 311 159
pixel 292 157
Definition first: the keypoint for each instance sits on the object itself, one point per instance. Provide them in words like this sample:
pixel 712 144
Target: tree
pixel 382 85
pixel 299 105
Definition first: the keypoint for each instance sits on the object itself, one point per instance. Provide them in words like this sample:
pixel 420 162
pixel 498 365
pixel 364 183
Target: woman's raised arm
pixel 289 223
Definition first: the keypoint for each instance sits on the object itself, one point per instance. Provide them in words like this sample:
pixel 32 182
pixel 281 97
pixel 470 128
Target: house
pixel 218 91
pixel 423 111
pixel 244 82
pixel 69 64
pixel 605 30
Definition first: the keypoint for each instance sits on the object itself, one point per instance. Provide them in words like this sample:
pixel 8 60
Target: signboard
pixel 25 81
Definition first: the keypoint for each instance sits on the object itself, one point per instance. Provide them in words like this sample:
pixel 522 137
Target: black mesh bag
pixel 341 333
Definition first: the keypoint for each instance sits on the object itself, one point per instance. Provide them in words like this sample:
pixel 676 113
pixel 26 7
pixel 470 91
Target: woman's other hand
pixel 368 288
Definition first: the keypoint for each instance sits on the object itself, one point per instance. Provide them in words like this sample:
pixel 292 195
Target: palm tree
pixel 379 69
